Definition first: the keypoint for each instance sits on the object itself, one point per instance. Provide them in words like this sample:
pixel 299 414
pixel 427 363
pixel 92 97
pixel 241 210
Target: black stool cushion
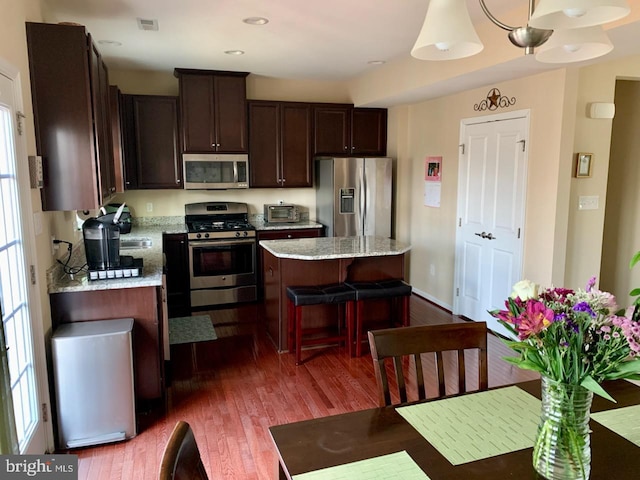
pixel 381 289
pixel 315 295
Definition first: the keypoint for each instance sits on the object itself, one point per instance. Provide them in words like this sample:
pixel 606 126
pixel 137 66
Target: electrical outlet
pixel 589 202
pixel 149 207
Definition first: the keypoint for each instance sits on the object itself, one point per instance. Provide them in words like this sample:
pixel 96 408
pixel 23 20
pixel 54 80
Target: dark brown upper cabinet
pixel 341 129
pixel 280 144
pixel 150 125
pixel 70 92
pixel 213 110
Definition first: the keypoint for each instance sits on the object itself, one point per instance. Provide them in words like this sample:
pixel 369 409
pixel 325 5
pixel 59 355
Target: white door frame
pixel 28 231
pixel 526 114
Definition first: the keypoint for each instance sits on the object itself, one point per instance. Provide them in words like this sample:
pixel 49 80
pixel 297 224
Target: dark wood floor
pixel 232 389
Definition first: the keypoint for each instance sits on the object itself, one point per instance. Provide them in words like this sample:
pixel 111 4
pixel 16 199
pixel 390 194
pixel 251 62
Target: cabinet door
pixel 196 113
pixel 115 116
pixel 296 158
pixel 332 130
pixel 103 127
pixel 369 131
pixel 174 247
pixel 59 67
pixel 155 125
pixel 230 113
pixel 264 144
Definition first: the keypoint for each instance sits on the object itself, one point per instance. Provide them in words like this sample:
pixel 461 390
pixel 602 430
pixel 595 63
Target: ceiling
pixel 304 39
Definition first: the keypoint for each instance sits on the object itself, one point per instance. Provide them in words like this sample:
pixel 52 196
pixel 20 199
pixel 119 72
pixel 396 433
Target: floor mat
pixel 191 329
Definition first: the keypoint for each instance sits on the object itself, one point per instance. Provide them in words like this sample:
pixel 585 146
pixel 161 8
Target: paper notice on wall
pixel 432 194
pixel 432 181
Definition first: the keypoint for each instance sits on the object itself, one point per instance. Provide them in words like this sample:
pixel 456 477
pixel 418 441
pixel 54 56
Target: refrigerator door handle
pixel 363 200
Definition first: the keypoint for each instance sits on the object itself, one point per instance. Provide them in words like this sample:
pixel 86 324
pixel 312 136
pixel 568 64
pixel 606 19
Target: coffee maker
pixel 101 243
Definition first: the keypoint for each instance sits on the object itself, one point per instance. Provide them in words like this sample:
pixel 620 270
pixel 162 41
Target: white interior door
pixel 491 198
pixel 21 317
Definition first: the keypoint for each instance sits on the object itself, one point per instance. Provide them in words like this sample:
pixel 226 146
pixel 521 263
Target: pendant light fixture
pixel 448 33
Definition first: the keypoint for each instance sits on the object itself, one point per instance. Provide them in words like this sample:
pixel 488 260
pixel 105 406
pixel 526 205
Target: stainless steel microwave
pixel 215 171
pixel 281 213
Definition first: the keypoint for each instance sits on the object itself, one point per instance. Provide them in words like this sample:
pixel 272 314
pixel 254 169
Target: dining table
pixel 481 435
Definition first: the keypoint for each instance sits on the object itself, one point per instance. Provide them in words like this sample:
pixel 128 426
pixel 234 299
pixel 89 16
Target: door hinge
pixel 523 142
pixel 460 222
pixel 457 292
pixel 32 270
pixel 462 147
pixel 518 233
pixel 19 117
pixel 45 413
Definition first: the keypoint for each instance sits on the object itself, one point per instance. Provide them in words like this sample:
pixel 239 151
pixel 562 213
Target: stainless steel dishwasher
pixel 93 371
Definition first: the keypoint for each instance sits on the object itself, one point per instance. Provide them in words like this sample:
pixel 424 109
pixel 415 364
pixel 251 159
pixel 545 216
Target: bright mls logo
pixel 51 467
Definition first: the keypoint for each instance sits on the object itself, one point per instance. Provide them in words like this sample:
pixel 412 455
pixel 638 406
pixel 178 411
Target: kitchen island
pixel 319 261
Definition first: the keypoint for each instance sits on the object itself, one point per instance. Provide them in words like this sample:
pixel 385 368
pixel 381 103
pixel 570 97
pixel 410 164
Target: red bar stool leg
pixel 291 326
pixel 359 326
pixel 349 307
pixel 406 317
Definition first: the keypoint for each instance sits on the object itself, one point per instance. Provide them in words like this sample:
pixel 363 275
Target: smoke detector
pixel 147 24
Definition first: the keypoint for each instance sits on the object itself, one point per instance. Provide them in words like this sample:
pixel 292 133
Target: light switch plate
pixel 589 202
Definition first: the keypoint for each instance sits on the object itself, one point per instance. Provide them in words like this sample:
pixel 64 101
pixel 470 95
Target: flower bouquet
pixel 576 340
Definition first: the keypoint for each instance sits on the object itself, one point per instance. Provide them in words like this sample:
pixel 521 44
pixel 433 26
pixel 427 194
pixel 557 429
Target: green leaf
pixel 635 292
pixel 590 384
pixel 635 259
pixel 625 369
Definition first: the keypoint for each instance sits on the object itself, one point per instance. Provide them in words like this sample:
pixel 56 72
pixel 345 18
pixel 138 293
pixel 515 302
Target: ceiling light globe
pixel 571 48
pixel 574 12
pixel 443 46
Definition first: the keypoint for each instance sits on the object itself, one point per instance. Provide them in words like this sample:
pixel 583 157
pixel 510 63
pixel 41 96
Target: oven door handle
pixel 220 243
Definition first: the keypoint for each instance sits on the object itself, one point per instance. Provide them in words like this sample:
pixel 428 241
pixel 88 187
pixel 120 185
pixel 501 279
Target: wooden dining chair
pixel 396 343
pixel 181 458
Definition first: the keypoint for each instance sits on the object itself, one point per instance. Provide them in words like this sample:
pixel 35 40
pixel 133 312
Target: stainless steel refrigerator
pixel 354 195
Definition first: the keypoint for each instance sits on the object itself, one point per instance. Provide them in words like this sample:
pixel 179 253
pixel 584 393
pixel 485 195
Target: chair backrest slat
pixel 396 343
pixel 181 458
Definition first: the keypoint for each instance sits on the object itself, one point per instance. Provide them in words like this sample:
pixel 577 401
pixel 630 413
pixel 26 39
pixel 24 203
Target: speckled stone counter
pixel 262 225
pixel 152 259
pixel 327 248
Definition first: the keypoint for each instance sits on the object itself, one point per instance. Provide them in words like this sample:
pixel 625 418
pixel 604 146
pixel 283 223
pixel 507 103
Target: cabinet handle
pixel 128 183
pixel 346 148
pixel 289 236
pixel 353 148
pixel 177 180
pixel 284 180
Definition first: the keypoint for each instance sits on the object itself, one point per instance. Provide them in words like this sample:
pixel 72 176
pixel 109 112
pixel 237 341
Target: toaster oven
pixel 281 213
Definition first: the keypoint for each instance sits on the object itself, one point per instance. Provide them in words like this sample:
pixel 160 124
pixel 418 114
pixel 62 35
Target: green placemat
pixel 191 329
pixel 481 425
pixel 395 466
pixel 623 421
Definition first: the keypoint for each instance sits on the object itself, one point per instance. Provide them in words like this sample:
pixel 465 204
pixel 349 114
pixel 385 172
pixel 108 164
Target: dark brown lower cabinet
pixel 174 247
pixel 144 305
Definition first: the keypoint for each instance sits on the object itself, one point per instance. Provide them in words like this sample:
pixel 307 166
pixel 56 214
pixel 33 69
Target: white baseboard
pixel 433 299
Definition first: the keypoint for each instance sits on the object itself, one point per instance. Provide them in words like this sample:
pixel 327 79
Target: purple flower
pixel 583 307
pixel 590 283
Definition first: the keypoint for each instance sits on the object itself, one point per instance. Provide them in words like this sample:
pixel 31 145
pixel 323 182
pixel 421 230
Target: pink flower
pixel 534 319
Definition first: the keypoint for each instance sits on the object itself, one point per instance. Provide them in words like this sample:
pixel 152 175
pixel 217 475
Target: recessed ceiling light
pixel 376 62
pixel 256 20
pixel 234 52
pixel 110 43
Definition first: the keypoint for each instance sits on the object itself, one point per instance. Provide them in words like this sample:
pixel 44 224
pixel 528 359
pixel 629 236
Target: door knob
pixel 490 236
pixel 481 235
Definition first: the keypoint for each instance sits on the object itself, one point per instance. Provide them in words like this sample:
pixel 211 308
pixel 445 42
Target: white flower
pixel 525 289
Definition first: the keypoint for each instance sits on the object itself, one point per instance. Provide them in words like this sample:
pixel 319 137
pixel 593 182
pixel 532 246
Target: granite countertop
pixel 59 282
pixel 327 248
pixel 262 225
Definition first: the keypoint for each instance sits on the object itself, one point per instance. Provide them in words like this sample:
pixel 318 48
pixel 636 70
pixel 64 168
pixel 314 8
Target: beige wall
pixel 584 246
pixel 621 225
pixel 433 129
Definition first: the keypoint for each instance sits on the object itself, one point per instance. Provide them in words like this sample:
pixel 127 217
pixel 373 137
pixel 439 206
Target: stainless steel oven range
pixel 222 253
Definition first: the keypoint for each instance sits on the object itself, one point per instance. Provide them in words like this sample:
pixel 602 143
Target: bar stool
pixel 392 289
pixel 317 295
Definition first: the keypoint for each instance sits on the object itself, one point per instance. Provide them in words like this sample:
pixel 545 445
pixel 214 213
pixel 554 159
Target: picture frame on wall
pixel 584 164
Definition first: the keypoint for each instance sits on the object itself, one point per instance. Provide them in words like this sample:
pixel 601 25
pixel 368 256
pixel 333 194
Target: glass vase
pixel 562 447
